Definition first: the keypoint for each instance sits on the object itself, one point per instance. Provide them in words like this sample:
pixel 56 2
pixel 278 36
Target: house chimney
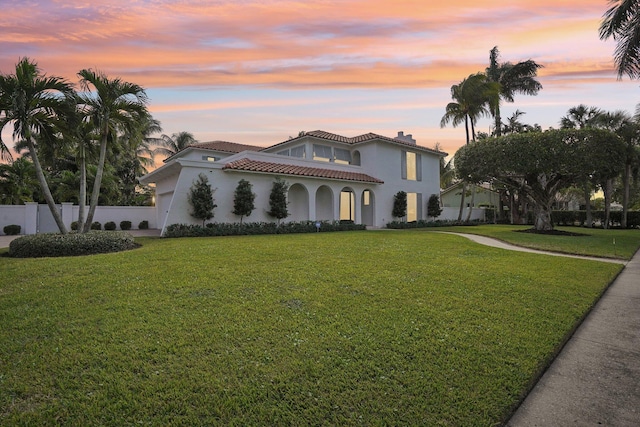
pixel 405 138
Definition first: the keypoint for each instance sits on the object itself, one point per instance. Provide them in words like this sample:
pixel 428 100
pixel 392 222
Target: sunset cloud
pixel 252 57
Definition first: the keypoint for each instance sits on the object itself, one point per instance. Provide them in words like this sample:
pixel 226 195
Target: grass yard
pixel 596 242
pixel 354 328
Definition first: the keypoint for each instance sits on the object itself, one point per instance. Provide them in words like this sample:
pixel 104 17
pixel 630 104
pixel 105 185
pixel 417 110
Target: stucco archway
pixel 324 204
pixel 298 198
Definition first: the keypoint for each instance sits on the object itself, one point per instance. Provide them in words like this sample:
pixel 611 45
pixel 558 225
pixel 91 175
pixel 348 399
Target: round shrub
pixel 125 225
pixel 143 225
pixel 96 226
pixel 12 230
pixel 72 244
pixel 110 225
pixel 74 225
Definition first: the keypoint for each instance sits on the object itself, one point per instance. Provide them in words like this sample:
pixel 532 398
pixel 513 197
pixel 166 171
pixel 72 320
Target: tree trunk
pixel 82 198
pixel 625 196
pixel 45 187
pixel 95 194
pixel 608 189
pixel 473 197
pixel 543 218
pixel 464 190
pixel 587 201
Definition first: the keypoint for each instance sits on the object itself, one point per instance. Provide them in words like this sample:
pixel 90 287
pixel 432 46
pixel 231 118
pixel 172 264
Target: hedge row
pixel 398 225
pixel 110 225
pixel 72 244
pixel 580 217
pixel 247 228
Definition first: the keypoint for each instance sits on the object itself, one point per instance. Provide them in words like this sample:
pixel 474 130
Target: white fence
pixel 34 218
pixel 452 214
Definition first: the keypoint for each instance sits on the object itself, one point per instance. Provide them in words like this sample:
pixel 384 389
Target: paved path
pixel 595 380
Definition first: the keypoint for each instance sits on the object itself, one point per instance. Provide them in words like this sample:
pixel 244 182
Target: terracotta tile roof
pixel 360 138
pixel 287 169
pixel 227 147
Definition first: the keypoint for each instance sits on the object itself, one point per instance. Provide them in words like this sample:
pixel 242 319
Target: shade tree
pixel 539 164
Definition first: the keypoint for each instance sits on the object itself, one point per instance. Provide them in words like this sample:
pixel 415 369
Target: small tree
pixel 278 200
pixel 399 204
pixel 433 206
pixel 243 199
pixel 201 199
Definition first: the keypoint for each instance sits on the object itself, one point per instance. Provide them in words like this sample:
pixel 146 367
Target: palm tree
pixel 513 79
pixel 31 101
pixel 471 101
pixel 170 145
pixel 17 181
pixel 578 118
pixel 115 105
pixel 474 98
pixel 622 22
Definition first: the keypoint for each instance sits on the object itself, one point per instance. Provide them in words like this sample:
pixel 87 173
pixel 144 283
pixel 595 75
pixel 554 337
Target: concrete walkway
pixel 595 380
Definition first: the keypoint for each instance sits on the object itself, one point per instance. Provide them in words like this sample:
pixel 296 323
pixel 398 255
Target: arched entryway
pixel 298 199
pixel 347 205
pixel 367 207
pixel 324 204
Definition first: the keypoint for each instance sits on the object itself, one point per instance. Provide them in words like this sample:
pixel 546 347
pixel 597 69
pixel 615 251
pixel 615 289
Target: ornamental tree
pixel 243 199
pixel 201 199
pixel 433 206
pixel 278 200
pixel 539 164
pixel 399 205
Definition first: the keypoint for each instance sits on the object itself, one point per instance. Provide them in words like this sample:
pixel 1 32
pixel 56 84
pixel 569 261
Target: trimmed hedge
pixel 250 228
pixel 72 244
pixel 110 225
pixel 12 229
pixel 399 225
pixel 143 225
pixel 96 225
pixel 580 217
pixel 125 225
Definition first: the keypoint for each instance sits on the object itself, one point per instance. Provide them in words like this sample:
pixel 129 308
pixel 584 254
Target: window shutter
pixel 403 164
pixel 419 203
pixel 419 167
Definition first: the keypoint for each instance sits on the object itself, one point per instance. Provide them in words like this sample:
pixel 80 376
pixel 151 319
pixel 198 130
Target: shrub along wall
pixel 234 229
pixel 580 217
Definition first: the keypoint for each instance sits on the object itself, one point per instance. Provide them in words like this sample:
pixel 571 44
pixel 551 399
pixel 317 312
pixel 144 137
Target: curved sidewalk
pixel 595 380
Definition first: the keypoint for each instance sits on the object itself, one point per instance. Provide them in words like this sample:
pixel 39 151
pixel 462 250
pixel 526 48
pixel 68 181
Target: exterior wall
pixel 451 199
pixel 34 218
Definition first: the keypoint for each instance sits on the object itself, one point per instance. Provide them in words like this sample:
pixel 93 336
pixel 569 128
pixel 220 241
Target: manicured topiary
pixel 125 225
pixel 96 226
pixel 74 226
pixel 72 244
pixel 143 225
pixel 12 230
pixel 110 225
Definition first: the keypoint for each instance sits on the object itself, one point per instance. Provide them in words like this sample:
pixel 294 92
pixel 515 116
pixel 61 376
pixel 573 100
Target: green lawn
pixel 357 328
pixel 595 242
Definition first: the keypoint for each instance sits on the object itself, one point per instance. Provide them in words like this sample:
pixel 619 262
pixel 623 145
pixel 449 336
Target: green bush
pixel 399 225
pixel 12 230
pixel 143 225
pixel 74 225
pixel 110 225
pixel 125 225
pixel 72 244
pixel 252 228
pixel 96 226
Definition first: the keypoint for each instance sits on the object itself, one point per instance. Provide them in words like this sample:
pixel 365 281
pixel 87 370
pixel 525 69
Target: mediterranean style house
pixel 330 177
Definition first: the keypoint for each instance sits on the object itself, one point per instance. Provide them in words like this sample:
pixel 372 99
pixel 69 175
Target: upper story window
pixel 322 153
pixel 342 156
pixel 298 152
pixel 209 158
pixel 411 166
pixel 283 153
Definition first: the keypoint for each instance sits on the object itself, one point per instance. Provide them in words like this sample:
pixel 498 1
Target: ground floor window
pixel 347 205
pixel 412 207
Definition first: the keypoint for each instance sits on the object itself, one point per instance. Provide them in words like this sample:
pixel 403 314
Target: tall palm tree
pixel 580 117
pixel 471 101
pixel 474 97
pixel 31 101
pixel 170 145
pixel 622 22
pixel 513 79
pixel 111 105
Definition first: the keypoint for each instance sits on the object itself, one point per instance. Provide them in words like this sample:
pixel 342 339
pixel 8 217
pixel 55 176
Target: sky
pixel 259 71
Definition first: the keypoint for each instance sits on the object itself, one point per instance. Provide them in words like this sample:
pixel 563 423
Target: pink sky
pixel 258 71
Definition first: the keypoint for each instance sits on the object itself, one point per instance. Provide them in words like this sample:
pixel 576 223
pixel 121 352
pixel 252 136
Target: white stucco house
pixel 330 177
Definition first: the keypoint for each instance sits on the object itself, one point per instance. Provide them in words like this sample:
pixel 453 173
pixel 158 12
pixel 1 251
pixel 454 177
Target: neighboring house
pixel 485 196
pixel 330 177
